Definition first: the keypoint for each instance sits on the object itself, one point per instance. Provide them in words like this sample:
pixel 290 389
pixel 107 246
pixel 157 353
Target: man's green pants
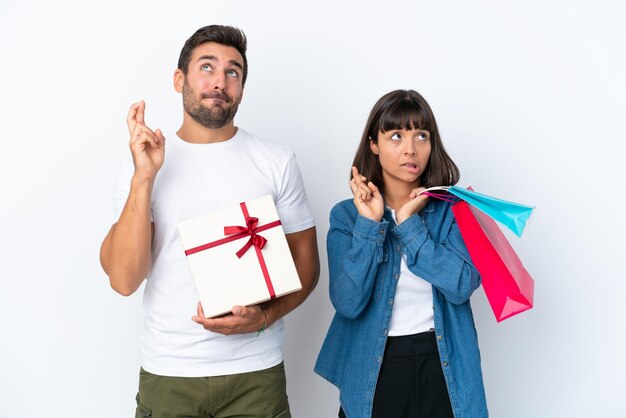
pixel 258 394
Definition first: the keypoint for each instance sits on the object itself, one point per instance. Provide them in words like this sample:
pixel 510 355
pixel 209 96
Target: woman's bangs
pixel 405 115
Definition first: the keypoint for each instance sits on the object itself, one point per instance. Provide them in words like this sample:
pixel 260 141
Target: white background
pixel 530 98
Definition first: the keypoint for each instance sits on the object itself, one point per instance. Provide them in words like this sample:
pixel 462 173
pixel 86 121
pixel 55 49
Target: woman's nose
pixel 409 147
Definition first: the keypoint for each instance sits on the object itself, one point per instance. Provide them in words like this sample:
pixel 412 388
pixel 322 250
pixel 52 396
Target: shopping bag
pixel 512 215
pixel 507 284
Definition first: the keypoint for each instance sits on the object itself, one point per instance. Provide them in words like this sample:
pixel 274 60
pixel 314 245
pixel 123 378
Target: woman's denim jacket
pixel 364 262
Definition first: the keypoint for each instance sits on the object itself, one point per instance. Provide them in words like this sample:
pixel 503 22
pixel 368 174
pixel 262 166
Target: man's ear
pixel 179 80
pixel 373 147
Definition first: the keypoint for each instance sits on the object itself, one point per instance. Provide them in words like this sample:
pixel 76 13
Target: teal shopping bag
pixel 512 215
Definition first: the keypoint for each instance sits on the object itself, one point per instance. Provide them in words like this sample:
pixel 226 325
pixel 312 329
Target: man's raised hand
pixel 147 146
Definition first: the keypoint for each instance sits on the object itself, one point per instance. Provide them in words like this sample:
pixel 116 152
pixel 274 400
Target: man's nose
pixel 219 81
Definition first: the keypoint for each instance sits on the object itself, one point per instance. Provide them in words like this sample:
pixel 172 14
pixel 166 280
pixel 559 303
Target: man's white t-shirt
pixel 197 179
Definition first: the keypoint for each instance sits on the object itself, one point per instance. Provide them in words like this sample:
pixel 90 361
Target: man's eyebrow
pixel 214 58
pixel 236 64
pixel 207 57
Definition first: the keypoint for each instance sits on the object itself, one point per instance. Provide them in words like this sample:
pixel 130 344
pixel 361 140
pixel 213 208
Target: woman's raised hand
pixel 367 198
pixel 416 203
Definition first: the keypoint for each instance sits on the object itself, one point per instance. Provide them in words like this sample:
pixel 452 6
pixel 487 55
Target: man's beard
pixel 210 117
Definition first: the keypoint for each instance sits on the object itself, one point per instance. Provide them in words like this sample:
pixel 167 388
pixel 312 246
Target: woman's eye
pixel 422 136
pixel 396 137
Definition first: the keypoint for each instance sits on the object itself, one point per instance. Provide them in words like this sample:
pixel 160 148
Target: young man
pixel 193 366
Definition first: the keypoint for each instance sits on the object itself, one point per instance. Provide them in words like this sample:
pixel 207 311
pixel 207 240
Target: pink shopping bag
pixel 508 286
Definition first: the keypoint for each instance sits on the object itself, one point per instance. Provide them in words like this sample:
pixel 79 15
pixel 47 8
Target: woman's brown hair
pixel 404 109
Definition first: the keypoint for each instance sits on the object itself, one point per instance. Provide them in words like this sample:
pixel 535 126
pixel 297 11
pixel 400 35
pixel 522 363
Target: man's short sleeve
pixel 291 203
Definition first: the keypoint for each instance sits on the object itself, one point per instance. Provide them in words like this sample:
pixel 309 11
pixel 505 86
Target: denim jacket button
pixel 382 231
pixel 445 363
pixel 379 359
pixel 439 337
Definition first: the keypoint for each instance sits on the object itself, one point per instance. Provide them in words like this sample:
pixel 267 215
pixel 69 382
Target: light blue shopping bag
pixel 512 215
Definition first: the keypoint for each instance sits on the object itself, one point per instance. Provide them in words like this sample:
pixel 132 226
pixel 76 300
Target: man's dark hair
pixel 223 35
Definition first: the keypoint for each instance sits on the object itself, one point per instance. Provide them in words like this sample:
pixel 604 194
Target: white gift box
pixel 223 278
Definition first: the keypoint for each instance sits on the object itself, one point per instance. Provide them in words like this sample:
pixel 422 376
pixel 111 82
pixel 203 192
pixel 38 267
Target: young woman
pixel 402 342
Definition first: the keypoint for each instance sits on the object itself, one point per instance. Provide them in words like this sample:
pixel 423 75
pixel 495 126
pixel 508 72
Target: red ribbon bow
pixel 257 240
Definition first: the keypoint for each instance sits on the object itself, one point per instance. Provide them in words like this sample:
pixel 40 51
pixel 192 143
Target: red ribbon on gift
pixel 257 241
